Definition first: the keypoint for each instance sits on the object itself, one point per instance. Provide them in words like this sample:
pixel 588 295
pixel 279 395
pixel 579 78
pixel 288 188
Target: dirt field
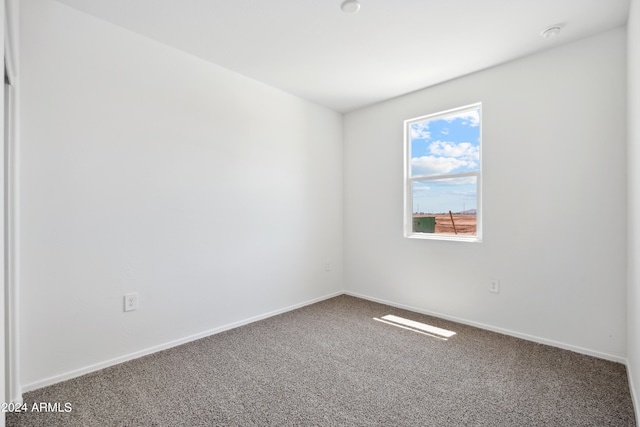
pixel 465 224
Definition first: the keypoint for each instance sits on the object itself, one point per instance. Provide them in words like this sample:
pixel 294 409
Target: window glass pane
pixel 436 197
pixel 446 145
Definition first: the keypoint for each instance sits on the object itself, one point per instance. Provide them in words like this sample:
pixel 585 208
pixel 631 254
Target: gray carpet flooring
pixel 333 364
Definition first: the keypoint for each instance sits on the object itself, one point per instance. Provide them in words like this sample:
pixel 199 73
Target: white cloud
pixel 421 188
pixel 472 117
pixel 461 150
pixel 420 130
pixel 432 165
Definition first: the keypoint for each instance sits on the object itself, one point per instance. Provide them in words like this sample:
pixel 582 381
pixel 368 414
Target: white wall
pixel 554 188
pixel 633 159
pixel 144 169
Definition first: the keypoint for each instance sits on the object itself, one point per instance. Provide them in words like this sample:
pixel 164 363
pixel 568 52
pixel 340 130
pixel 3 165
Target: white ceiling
pixel 311 49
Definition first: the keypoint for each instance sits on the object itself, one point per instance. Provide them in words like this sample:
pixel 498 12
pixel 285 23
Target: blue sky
pixel 441 147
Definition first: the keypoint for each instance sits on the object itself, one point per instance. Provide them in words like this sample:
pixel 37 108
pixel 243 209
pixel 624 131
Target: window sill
pixel 449 237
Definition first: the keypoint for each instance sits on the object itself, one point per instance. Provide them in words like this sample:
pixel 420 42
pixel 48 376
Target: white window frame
pixel 409 180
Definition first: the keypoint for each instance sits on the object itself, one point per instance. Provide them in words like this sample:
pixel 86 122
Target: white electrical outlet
pixel 495 286
pixel 327 265
pixel 131 302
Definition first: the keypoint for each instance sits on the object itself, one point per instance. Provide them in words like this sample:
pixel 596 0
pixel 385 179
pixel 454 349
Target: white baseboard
pixel 115 361
pixel 533 338
pixel 632 390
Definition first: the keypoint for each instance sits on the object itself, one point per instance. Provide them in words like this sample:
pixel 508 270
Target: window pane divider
pixel 444 176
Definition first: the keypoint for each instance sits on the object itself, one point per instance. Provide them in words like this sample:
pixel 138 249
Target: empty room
pixel 336 212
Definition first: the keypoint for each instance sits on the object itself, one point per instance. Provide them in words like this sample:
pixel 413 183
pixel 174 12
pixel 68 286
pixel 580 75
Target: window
pixel 443 175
